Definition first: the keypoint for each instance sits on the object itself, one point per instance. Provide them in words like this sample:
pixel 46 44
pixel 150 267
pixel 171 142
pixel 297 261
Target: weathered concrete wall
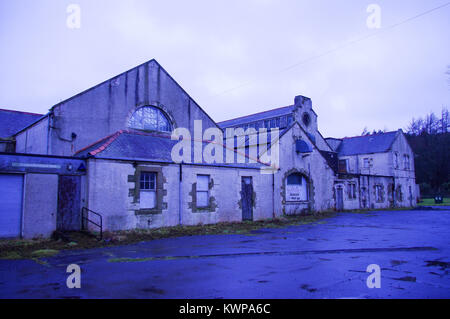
pixel 384 164
pixel 226 191
pixel 108 193
pixel 370 183
pixel 34 139
pixel 112 187
pixel 40 205
pixel 350 202
pixel 381 164
pixel 313 166
pixel 404 177
pixel 107 108
pixel 303 106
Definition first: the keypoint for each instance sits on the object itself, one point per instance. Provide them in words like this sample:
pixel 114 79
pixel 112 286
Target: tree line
pixel 429 138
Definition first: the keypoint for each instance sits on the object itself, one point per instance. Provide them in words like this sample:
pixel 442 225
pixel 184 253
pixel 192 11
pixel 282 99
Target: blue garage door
pixel 10 205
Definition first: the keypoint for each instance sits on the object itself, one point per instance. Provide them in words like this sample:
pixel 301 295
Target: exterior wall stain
pixel 212 205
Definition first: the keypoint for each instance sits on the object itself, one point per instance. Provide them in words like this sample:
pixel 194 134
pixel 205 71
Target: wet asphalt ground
pixel 327 259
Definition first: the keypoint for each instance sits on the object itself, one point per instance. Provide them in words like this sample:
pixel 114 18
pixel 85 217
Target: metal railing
pixel 85 220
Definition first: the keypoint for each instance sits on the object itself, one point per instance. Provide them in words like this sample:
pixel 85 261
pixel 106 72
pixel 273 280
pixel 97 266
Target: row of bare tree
pixel 429 138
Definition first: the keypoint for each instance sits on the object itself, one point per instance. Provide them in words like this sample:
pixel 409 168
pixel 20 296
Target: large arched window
pixel 296 188
pixel 150 118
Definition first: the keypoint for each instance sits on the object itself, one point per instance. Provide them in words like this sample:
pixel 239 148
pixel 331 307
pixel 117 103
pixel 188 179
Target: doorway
pixel 339 198
pixel 69 200
pixel 247 198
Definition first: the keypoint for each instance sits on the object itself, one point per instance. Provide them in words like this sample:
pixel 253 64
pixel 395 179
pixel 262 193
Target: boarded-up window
pixel 147 190
pixel 406 160
pixel 202 190
pixel 378 194
pixel 296 188
pixel 351 190
pixel 396 160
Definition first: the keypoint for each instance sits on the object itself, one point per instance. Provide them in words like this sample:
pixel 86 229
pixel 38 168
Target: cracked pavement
pixel 326 259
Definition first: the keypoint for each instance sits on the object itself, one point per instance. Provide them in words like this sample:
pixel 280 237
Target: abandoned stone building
pixel 104 157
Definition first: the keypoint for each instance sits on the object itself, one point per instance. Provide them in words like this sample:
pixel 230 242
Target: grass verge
pixel 41 248
pixel 430 202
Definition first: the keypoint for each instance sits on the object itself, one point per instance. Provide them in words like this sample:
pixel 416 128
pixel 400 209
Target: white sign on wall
pixel 293 193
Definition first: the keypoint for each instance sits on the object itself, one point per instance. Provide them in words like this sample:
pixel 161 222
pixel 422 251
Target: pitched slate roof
pixel 368 144
pixel 257 116
pixel 13 121
pixel 136 145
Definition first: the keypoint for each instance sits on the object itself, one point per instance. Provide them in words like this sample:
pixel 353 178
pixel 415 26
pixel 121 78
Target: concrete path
pixel 327 259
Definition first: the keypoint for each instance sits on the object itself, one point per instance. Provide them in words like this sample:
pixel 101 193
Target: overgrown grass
pixel 430 202
pixel 41 248
pixel 368 211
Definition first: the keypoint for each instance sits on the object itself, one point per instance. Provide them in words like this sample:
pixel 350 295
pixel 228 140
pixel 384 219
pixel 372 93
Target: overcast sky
pixel 238 57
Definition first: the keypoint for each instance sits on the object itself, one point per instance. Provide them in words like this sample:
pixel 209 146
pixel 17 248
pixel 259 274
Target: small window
pixel 366 163
pixel 272 123
pixel 147 190
pixel 306 119
pixel 202 190
pixel 343 166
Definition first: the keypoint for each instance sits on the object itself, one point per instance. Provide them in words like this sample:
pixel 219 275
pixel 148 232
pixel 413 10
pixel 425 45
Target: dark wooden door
pixel 69 210
pixel 247 198
pixel 339 198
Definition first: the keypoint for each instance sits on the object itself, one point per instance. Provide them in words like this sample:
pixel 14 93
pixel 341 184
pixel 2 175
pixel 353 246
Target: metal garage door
pixel 10 205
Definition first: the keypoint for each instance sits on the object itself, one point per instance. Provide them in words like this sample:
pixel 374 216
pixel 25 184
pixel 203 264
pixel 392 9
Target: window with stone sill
pixel 147 190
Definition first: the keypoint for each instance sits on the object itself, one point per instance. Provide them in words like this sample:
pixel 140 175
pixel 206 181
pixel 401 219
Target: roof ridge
pixel 23 112
pixel 106 144
pixel 96 142
pixel 113 137
pixel 359 136
pixel 241 117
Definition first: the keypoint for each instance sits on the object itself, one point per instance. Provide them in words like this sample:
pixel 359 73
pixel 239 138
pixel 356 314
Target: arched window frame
pixel 142 122
pixel 296 183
